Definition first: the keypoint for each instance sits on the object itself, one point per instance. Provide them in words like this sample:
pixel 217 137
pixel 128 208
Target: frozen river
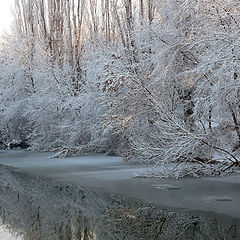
pixel 98 198
pixel 217 197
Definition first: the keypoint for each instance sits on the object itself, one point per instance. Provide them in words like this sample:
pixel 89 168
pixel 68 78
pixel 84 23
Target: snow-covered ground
pixel 209 196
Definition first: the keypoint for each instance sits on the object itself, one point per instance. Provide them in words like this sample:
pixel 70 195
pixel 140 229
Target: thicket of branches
pixel 155 81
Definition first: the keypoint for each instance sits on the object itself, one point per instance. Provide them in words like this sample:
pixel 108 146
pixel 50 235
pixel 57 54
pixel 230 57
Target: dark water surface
pixel 97 198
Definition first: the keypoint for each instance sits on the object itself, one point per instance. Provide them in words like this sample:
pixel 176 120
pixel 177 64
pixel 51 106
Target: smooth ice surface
pixel 215 197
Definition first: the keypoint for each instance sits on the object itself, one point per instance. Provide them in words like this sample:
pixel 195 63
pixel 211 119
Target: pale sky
pixel 5 15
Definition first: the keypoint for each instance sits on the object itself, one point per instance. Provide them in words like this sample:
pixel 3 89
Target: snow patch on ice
pixel 6 235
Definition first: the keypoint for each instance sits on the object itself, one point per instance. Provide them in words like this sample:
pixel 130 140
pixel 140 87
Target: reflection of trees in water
pixel 41 209
pixel 72 230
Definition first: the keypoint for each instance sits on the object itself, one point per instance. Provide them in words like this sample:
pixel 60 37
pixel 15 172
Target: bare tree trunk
pixel 130 38
pixel 236 124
